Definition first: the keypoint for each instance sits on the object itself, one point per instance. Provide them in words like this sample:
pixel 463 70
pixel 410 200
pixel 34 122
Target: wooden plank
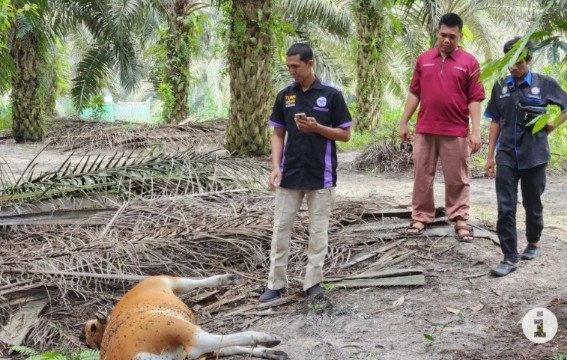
pixel 449 230
pixel 378 274
pixel 85 216
pixel 20 323
pixel 411 280
pixel 402 213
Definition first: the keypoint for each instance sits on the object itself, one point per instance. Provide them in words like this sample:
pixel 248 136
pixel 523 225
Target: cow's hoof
pixel 280 355
pixel 231 279
pixel 270 343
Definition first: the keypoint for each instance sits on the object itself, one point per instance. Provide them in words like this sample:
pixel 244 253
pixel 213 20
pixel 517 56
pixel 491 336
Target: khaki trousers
pixel 288 202
pixel 454 154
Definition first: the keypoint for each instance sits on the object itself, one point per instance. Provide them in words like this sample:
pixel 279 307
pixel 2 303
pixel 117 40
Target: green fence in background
pixel 124 111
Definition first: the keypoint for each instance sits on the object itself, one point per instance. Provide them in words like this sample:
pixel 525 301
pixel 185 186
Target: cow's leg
pixel 206 342
pixel 182 284
pixel 259 352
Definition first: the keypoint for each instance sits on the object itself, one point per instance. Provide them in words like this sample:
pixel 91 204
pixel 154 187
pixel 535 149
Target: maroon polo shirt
pixel 445 89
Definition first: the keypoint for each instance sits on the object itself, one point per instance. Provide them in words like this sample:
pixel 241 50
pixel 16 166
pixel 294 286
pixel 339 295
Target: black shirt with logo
pixel 513 105
pixel 309 160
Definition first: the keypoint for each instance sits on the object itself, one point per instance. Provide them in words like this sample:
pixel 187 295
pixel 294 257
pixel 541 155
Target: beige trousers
pixel 454 154
pixel 288 202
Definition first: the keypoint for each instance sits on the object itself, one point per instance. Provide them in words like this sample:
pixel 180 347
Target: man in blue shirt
pixel 308 117
pixel 521 156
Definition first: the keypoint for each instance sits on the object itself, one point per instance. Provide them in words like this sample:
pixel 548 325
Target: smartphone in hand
pixel 301 116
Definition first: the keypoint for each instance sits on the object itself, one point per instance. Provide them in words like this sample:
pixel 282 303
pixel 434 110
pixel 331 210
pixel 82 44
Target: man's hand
pixel 274 179
pixel 474 142
pixel 307 124
pixel 490 168
pixel 404 133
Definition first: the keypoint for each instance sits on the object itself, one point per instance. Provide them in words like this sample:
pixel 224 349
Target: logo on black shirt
pixel 289 100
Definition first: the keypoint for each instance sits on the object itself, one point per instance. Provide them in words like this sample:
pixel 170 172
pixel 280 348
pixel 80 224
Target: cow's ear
pixel 93 327
pixel 101 317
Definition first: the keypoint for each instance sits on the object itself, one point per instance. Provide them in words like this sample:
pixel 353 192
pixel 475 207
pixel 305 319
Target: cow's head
pixel 94 330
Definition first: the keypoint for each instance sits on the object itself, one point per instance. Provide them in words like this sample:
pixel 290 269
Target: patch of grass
pixel 32 354
pixel 358 140
pixel 558 147
pixel 558 356
pixel 315 308
pixel 6 120
pixel 328 287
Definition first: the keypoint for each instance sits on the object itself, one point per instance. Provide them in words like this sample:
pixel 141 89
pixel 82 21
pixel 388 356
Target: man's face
pixel 519 69
pixel 298 69
pixel 448 38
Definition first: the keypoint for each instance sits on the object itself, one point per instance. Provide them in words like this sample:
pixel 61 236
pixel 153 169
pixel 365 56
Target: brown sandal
pixel 468 238
pixel 416 230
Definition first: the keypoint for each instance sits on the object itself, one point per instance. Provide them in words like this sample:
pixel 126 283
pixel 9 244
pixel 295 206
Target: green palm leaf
pixel 91 71
pixel 134 175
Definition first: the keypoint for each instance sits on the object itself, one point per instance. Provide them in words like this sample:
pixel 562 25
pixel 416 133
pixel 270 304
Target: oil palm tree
pixel 33 31
pixel 27 46
pixel 250 55
pixel 371 21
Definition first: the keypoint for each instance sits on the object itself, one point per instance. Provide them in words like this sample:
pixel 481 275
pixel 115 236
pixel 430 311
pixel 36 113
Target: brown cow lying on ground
pixel 151 322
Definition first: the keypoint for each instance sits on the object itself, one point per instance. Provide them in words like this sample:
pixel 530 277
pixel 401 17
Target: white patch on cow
pixel 176 355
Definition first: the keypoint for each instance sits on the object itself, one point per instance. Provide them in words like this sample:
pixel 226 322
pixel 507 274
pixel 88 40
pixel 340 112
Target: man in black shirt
pixel 521 155
pixel 308 117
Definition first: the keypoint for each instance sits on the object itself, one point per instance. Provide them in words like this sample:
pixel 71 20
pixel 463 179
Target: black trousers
pixel 532 184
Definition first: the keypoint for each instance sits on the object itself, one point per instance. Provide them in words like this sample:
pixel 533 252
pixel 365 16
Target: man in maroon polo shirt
pixel 446 84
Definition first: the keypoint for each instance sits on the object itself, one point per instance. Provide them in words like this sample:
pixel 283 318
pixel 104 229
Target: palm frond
pixel 90 73
pixel 8 70
pixel 329 15
pixel 137 175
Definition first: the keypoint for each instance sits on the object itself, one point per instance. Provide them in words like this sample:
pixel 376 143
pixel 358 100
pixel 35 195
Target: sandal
pixel 416 230
pixel 468 238
pixel 503 269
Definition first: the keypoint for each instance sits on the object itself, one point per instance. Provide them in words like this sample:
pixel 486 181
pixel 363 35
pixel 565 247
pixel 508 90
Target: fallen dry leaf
pixel 453 310
pixel 478 307
pixel 398 302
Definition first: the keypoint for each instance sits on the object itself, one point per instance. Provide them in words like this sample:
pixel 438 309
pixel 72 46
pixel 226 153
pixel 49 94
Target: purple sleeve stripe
pixel 275 124
pixel 345 125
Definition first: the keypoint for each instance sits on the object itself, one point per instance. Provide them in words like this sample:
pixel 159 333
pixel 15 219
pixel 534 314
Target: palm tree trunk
pixel 179 58
pixel 28 122
pixel 371 35
pixel 250 69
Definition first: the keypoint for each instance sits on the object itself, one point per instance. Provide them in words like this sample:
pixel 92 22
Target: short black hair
pixel 451 20
pixel 529 47
pixel 302 49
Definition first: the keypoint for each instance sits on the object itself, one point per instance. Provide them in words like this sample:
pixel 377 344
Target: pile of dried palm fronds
pixel 72 134
pixel 387 156
pixel 136 175
pixel 87 230
pixel 82 266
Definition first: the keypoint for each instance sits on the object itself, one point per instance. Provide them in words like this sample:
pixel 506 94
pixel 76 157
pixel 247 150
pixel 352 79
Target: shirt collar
pixel 527 79
pixel 451 55
pixel 315 85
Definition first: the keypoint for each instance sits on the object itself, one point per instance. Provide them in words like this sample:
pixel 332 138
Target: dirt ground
pixel 396 322
pixel 369 323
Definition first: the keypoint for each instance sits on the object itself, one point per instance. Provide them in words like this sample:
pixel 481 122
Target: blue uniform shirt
pixel 309 161
pixel 512 105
